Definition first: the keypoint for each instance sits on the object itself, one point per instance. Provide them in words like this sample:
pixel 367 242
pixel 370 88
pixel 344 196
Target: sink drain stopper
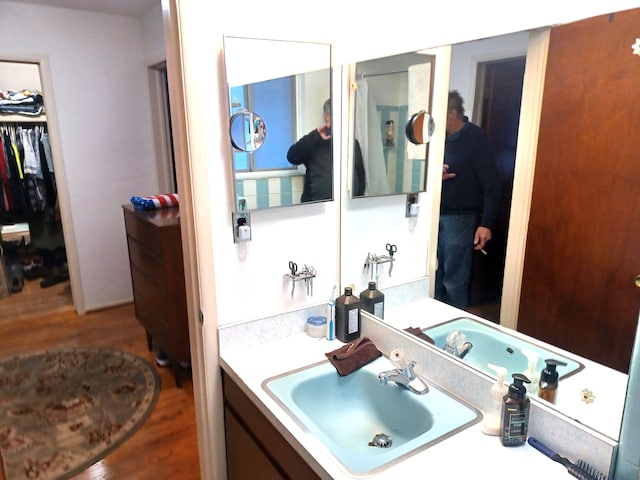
pixel 381 440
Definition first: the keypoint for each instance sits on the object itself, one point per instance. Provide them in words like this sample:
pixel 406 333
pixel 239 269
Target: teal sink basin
pixel 492 345
pixel 346 413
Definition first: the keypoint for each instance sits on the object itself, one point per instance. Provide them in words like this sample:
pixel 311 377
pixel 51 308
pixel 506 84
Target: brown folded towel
pixel 353 355
pixel 420 334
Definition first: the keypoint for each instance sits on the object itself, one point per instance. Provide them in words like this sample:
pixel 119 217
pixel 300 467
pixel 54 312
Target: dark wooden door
pixel 583 242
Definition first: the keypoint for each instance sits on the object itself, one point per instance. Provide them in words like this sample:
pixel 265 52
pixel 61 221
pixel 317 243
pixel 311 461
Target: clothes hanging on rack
pixel 27 179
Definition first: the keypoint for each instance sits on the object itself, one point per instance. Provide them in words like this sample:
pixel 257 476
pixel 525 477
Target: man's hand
pixel 446 175
pixel 324 131
pixel 483 235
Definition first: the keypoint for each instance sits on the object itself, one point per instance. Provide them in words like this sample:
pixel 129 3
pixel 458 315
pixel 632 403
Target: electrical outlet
pixel 241 226
pixel 411 207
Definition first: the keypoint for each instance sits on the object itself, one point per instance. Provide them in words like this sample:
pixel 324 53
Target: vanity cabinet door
pixel 245 459
pixel 255 448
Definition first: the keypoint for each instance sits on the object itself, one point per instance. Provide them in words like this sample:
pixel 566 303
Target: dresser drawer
pixel 143 232
pixel 154 324
pixel 146 287
pixel 147 263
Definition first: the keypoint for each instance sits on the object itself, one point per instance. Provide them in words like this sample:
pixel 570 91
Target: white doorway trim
pixel 61 178
pixel 160 118
pixel 530 111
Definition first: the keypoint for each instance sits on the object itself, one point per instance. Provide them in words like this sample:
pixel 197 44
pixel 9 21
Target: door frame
pixel 531 108
pixel 64 200
pixel 162 134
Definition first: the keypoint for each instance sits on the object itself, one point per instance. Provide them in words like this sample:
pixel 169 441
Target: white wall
pixel 153 35
pixel 97 65
pixel 466 56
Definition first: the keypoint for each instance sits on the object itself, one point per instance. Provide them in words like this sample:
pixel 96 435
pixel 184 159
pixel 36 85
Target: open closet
pixel 33 248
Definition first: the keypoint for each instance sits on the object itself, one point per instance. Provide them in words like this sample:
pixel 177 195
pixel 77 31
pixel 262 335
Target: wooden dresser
pixel 157 275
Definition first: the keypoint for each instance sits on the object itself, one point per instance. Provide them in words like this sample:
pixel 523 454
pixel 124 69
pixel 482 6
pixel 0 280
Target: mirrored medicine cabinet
pixel 276 91
pixel 391 98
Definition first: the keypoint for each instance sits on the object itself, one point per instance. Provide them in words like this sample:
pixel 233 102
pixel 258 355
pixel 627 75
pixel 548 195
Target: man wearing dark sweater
pixel 469 203
pixel 314 151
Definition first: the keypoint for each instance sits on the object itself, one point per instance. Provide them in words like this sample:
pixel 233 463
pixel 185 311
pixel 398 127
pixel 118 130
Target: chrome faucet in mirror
pixel 276 90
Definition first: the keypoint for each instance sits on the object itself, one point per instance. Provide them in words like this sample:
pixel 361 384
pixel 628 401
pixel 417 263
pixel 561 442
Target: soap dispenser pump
pixel 549 380
pixel 491 421
pixel 532 371
pixel 515 413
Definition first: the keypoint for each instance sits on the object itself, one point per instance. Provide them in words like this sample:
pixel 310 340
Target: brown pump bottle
pixel 515 413
pixel 548 387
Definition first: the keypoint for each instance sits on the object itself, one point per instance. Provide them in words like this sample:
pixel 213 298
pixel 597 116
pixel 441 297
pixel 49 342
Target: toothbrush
pixel 331 332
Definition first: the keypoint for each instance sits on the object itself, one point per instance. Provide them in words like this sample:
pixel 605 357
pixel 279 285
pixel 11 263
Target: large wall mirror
pixel 392 100
pixel 276 93
pixel 474 66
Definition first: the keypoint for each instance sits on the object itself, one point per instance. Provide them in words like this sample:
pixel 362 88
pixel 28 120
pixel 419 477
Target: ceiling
pixel 132 8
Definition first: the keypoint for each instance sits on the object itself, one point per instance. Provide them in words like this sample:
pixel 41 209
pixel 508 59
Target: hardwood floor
pixel 165 447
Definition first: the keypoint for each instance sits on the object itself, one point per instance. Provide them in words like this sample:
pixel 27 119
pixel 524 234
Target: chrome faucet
pixel 459 351
pixel 405 377
pixel 456 344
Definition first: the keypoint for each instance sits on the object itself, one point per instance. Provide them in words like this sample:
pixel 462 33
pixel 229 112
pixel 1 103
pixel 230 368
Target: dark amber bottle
pixel 347 316
pixel 372 300
pixel 549 380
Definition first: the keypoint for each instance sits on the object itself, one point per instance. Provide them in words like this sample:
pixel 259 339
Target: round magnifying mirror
pixel 247 131
pixel 420 127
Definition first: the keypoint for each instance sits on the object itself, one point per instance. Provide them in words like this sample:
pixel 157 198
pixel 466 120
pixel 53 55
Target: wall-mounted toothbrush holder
pixel 307 274
pixel 372 263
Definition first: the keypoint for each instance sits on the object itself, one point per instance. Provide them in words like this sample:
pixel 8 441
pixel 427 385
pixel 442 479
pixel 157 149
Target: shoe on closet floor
pixel 161 359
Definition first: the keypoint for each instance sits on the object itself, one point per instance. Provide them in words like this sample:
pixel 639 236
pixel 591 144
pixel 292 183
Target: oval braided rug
pixel 63 410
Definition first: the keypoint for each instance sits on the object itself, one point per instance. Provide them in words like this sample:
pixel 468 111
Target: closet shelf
pixel 16 118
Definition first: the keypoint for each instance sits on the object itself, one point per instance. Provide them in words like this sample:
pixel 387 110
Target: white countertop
pixel 468 454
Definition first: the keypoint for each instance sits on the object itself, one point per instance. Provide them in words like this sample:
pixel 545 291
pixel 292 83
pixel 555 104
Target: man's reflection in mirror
pixel 314 151
pixel 469 203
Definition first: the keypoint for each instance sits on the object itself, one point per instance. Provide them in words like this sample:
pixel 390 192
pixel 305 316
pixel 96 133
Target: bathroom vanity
pixel 262 435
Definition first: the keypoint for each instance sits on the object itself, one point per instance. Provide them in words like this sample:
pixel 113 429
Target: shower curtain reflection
pixel 368 133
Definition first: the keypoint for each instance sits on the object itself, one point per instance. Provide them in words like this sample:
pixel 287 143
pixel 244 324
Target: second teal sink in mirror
pixel 494 345
pixel 345 413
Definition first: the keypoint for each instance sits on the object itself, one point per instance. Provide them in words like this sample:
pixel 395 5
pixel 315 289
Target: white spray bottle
pixel 491 423
pixel 532 371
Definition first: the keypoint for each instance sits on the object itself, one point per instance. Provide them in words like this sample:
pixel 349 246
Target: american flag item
pixel 153 202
